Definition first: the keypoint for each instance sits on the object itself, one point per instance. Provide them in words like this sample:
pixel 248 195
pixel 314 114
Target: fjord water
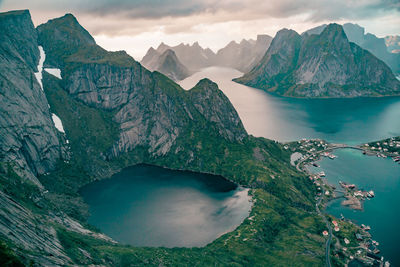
pixel 382 212
pixel 350 121
pixel 151 206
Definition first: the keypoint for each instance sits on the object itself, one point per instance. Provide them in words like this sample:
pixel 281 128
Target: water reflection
pixel 151 206
pixel 350 121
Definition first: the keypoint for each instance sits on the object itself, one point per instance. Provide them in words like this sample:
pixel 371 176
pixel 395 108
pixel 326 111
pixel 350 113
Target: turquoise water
pixel 151 206
pixel 350 121
pixel 382 213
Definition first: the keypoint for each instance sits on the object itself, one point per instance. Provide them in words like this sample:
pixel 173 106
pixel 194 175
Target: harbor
pixel 355 195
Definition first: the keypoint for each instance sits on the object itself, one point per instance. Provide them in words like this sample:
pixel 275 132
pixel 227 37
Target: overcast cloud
pixel 136 25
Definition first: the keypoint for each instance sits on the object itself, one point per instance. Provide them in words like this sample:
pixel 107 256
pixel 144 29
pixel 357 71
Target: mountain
pixel 245 55
pixel 324 65
pixel 116 114
pixel 242 56
pixel 70 37
pixel 28 135
pixel 393 43
pixel 194 57
pixel 167 63
pixel 367 41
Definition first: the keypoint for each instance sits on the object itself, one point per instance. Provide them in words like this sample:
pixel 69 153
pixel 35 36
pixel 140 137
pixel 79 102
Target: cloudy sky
pixel 135 25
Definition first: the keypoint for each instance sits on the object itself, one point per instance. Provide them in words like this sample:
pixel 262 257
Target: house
pixel 359 237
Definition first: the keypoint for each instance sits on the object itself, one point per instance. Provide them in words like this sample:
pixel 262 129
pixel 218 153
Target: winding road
pixel 328 241
pixel 328 225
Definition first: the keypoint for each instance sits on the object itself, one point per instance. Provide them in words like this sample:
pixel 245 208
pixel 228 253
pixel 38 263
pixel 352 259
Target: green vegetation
pixel 8 257
pixel 282 228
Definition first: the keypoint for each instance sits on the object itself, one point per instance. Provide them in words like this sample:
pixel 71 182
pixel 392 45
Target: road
pixel 299 167
pixel 328 241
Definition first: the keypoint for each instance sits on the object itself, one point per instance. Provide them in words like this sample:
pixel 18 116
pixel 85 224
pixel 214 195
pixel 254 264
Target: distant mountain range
pixel 167 63
pixel 321 62
pixel 241 56
pixel 245 55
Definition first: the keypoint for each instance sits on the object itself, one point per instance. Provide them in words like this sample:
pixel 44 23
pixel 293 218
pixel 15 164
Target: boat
pixel 376 251
pixel 315 165
pixel 321 174
pixel 331 156
pixel 370 193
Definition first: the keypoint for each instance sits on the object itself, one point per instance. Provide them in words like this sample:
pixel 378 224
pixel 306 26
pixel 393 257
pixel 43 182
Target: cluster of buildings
pixel 389 147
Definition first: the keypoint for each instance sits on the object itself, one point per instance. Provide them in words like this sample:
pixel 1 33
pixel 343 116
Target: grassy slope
pixel 284 231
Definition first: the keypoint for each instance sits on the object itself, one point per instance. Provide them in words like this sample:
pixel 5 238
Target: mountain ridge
pixel 321 65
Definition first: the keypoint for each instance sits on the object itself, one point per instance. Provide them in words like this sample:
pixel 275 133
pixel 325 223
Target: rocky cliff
pixel 116 113
pixel 377 46
pixel 61 37
pixel 151 110
pixel 167 63
pixel 321 65
pixel 29 138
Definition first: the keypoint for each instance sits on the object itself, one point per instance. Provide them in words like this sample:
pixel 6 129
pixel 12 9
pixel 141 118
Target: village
pixel 352 242
pixel 386 148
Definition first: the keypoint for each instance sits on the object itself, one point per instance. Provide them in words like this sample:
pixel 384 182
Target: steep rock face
pixel 62 37
pixel 324 65
pixel 150 109
pixel 245 55
pixel 278 60
pixel 167 63
pixel 377 46
pixel 28 136
pixel 216 108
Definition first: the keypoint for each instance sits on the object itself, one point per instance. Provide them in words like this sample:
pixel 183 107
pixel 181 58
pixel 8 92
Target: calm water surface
pixel 382 213
pixel 151 206
pixel 350 121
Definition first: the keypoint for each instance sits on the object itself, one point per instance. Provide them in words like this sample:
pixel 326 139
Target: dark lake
pixel 150 206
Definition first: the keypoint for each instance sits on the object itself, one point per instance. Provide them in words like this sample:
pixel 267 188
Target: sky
pixel 135 25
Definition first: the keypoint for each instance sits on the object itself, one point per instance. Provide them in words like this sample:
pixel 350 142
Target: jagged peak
pixel 162 46
pixel 333 32
pixel 205 85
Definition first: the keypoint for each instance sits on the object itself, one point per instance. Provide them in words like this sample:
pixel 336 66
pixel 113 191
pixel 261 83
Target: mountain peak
pixel 61 37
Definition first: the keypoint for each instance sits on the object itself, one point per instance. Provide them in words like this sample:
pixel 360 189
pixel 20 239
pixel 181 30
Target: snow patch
pixel 40 66
pixel 55 72
pixel 57 122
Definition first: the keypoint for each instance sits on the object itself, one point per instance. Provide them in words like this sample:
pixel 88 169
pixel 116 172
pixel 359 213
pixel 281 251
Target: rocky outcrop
pixel 377 46
pixel 151 110
pixel 61 37
pixel 245 55
pixel 167 63
pixel 28 136
pixel 216 108
pixel 31 233
pixel 324 65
